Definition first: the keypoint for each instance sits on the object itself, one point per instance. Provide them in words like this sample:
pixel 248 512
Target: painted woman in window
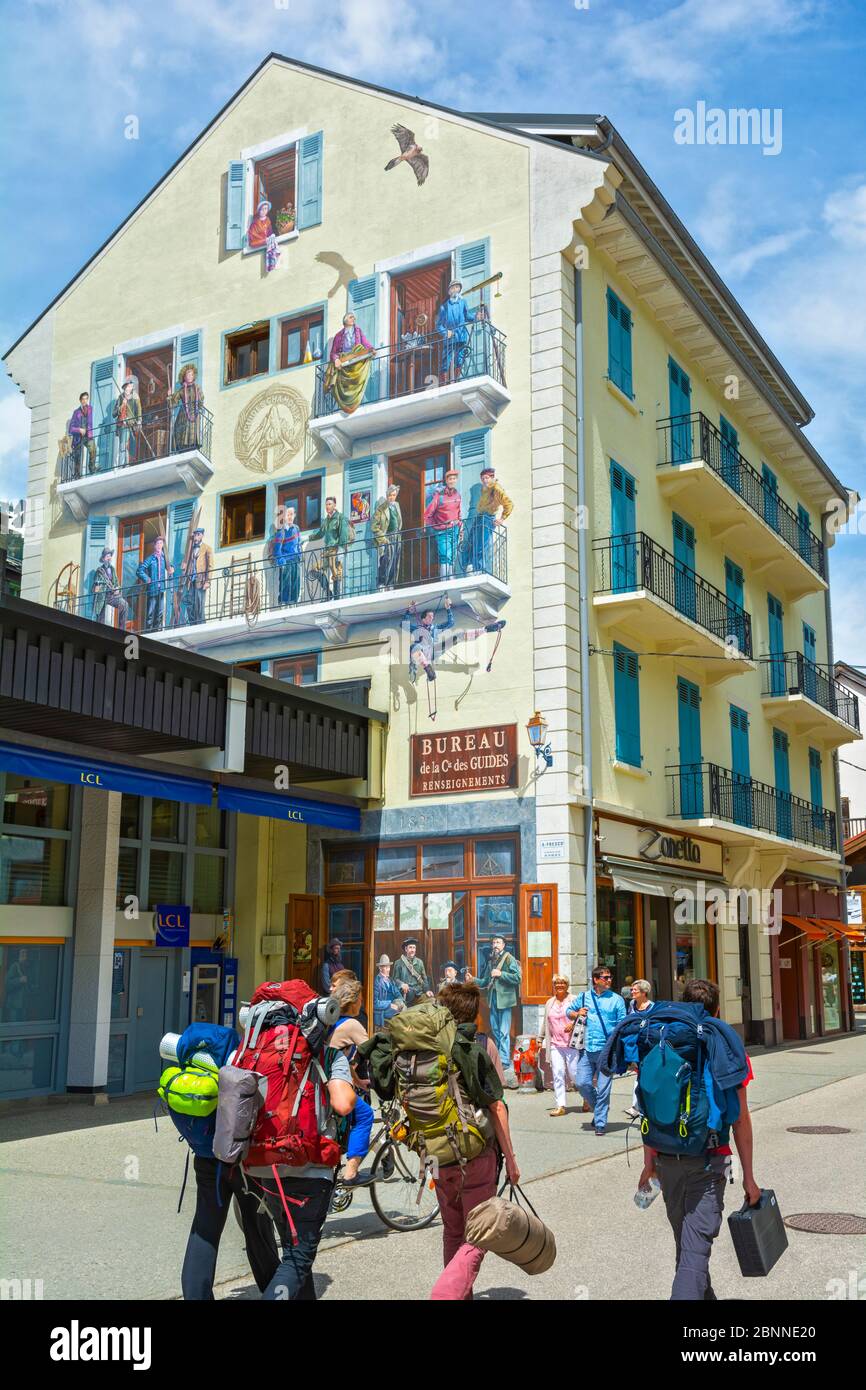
pixel 187 402
pixel 348 369
pixel 260 233
pixel 127 423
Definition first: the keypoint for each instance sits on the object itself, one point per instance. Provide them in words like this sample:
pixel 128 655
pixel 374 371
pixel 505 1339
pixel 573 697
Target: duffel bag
pixel 517 1233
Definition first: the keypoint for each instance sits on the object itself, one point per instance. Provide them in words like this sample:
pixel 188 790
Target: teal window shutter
pixel 97 535
pixel 619 366
pixel 235 205
pixel 362 302
pixel 179 517
pixel 188 353
pixel 816 787
pixel 804 530
pixel 310 181
pixel 104 388
pixel 626 699
pixel 472 264
pixel 471 454
pixel 361 559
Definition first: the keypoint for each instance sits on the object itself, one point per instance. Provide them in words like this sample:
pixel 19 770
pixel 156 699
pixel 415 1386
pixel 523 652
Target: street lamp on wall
pixel 537 728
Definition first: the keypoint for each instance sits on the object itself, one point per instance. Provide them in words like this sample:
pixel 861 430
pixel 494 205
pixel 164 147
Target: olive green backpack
pixel 444 1126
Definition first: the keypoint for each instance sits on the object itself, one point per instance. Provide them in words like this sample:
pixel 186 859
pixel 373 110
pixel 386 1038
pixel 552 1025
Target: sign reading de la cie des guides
pixel 463 760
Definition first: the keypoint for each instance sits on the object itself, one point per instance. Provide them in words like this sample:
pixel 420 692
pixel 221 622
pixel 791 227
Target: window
pixel 346 866
pixel 495 858
pixel 619 344
pixel 296 670
pixel 302 339
pixel 626 695
pixel 34 821
pixel 394 862
pixel 247 353
pixel 243 517
pixel 181 856
pixel 442 861
pixel 306 498
pixel 274 182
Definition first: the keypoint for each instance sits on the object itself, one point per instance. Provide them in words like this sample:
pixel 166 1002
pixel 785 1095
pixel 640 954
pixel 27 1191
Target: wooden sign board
pixel 463 760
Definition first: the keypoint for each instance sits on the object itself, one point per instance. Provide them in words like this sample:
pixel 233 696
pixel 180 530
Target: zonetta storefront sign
pixel 664 848
pixel 464 760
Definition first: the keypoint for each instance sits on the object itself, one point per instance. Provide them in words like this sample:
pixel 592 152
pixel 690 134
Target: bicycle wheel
pixel 394 1189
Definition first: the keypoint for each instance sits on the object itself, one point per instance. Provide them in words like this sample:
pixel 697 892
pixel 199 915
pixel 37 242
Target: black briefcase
pixel 759 1235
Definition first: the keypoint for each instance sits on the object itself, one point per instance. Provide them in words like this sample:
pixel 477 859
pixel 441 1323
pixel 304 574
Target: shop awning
pixel 296 808
pixel 627 879
pixel 84 771
pixel 853 935
pixel 808 926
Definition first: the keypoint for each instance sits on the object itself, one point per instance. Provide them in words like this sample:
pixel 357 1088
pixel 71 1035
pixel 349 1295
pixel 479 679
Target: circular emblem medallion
pixel 270 429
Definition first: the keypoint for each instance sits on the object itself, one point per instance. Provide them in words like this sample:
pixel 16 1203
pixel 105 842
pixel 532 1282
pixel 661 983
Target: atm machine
pixel 213 996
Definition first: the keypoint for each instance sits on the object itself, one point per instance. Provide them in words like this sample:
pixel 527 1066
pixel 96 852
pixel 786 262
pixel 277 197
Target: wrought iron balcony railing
pixel 159 434
pixel 704 789
pixel 790 673
pixel 623 563
pixel 428 361
pixel 323 575
pixel 689 437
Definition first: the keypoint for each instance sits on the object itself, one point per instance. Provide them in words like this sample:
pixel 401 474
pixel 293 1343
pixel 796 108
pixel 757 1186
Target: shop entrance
pixel 791 984
pixel 146 1002
pixel 639 937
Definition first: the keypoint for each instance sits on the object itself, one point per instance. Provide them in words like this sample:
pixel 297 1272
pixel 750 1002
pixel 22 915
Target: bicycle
pixel 400 1199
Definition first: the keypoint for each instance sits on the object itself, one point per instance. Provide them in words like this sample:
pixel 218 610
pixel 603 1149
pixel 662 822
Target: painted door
pixel 775 619
pixel 741 766
pixel 623 543
pixel 680 401
pixel 152 372
pixel 149 1010
pixel 691 771
pixel 685 594
pixel 303 915
pixel 810 658
pixel 783 783
pixel 771 497
pixel 735 594
pixel 418 475
pixel 137 534
pixel 730 453
pixel 415 299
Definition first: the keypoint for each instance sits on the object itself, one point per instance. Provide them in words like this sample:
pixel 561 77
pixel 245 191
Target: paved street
pixel 89 1197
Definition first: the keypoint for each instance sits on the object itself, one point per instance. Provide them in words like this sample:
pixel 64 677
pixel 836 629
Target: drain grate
pixel 828 1223
pixel 817 1129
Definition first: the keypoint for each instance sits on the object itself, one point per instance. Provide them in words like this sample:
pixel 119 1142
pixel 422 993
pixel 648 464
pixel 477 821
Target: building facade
pixel 591 522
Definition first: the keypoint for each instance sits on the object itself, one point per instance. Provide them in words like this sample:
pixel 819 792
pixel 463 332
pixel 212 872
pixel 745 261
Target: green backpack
pixel 444 1126
pixel 190 1090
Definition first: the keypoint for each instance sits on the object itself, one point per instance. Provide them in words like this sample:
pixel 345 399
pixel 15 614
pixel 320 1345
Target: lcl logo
pixel 90 779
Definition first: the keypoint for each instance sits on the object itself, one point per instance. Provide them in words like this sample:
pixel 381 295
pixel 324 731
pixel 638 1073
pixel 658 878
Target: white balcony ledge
pixel 189 471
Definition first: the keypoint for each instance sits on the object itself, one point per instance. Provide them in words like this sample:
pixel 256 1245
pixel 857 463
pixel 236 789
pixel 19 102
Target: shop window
pixel 305 497
pixel 165 883
pixel 274 183
pixel 395 862
pixel 442 861
pixel 210 826
pixel 130 810
pixel 242 517
pixel 830 990
pixel 302 339
pixel 346 866
pixel 208 883
pixel 35 805
pixel 384 913
pixel 32 871
pixel 29 980
pixel 495 915
pixel 165 820
pixel 617 936
pixel 297 670
pixel 692 960
pixel 26 1064
pixel 495 858
pixel 411 913
pixel 247 353
pixel 127 875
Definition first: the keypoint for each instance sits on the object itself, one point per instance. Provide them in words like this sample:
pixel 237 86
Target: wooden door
pixel 539 944
pixel 418 475
pixel 303 938
pixel 789 983
pixel 137 534
pixel 415 299
pixel 153 373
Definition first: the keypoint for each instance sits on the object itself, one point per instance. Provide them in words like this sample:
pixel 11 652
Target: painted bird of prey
pixel 410 153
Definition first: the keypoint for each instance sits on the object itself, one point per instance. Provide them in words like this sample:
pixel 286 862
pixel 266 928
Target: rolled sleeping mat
pixel 327 1008
pixel 168 1051
pixel 514 1233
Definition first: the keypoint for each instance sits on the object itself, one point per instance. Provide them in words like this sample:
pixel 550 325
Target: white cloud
pixel 845 216
pixel 776 245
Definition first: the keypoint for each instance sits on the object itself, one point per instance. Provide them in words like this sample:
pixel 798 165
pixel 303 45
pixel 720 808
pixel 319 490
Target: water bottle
pixel 645 1196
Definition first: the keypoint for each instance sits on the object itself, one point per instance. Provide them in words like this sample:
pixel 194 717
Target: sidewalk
pixel 89 1196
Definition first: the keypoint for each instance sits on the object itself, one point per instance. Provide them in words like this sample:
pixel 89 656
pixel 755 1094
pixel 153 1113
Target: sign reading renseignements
pixel 464 760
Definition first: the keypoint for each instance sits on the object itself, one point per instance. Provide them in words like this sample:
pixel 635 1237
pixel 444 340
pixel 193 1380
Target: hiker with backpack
pixel 456 1122
pixel 692 1078
pixel 282 1100
pixel 601 1011
pixel 190 1091
pixel 347 1036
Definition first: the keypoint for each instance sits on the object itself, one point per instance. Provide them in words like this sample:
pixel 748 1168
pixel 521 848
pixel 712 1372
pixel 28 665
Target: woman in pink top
pixel 556 1042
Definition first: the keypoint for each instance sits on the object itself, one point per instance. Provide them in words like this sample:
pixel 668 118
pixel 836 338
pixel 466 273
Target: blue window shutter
pixel 97 535
pixel 361 559
pixel 626 699
pixel 810 644
pixel 104 388
pixel 179 516
pixel 614 350
pixel 471 454
pixel 188 353
pixel 310 182
pixel 815 781
pixel 235 205
pixel 804 526
pixel 361 302
pixel 472 264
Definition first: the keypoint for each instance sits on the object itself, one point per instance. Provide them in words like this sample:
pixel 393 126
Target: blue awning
pixel 279 807
pixel 82 771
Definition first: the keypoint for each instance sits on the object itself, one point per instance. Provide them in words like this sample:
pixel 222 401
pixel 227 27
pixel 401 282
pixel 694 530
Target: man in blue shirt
pixel 603 1010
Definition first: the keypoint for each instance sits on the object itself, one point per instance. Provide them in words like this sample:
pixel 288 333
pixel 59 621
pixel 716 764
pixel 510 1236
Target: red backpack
pixel 291 1123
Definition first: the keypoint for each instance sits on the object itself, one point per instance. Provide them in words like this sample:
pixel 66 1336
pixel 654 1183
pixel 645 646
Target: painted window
pixel 247 353
pixel 306 498
pixel 285 176
pixel 274 181
pixel 296 670
pixel 626 694
pixel 242 516
pixel 619 344
pixel 302 338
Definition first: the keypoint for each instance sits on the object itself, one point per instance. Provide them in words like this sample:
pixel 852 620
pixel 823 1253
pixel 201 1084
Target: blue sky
pixel 787 232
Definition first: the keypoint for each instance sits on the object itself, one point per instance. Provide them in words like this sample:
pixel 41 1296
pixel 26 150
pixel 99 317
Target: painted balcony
pixel 805 700
pixel 161 451
pixel 648 595
pixel 742 809
pixel 334 592
pixel 410 386
pixel 710 478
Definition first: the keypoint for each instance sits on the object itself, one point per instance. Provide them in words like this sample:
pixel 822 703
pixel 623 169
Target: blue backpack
pixel 218 1044
pixel 683 1110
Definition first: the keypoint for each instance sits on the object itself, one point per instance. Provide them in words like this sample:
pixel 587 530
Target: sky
pixel 786 230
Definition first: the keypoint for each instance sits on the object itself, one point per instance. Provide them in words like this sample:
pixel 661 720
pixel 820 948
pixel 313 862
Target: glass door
pixel 137 534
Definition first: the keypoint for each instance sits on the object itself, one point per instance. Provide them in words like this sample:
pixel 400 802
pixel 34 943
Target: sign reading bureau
pixel 464 760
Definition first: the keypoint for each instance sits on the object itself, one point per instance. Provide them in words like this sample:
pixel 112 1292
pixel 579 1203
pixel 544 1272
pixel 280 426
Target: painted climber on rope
pixel 427 639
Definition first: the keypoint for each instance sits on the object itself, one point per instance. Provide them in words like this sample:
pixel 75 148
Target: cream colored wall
pixel 169 269
pixel 270 863
pixel 628 433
